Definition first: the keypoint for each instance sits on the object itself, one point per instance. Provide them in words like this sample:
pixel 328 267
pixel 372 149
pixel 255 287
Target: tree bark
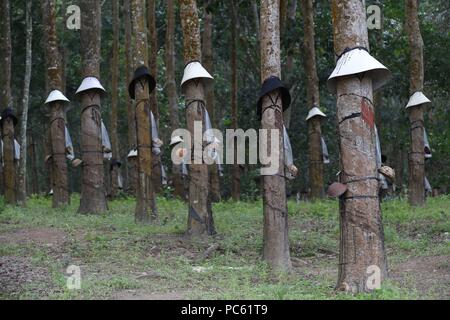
pixel 284 5
pixel 33 165
pixel 289 67
pixel 145 211
pixel 93 195
pixel 114 99
pixel 313 100
pixel 255 16
pixel 9 180
pixel 200 220
pixel 361 229
pixel 172 90
pixel 276 241
pixel 153 57
pixel 5 52
pixel 22 182
pixel 57 143
pixel 236 180
pixel 207 55
pixel 416 190
pixel 131 164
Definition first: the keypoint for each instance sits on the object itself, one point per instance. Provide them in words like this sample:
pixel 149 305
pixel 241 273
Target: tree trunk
pixel 9 175
pixel 145 211
pixel 236 180
pixel 57 143
pixel 5 51
pixel 276 241
pixel 131 165
pixel 22 183
pixel 207 54
pixel 361 229
pixel 284 5
pixel 114 100
pixel 416 190
pixel 33 164
pixel 93 195
pixel 153 56
pixel 172 90
pixel 313 100
pixel 255 16
pixel 200 220
pixel 289 67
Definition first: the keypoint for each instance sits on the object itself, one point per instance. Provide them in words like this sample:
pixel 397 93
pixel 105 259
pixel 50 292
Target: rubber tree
pixel 171 88
pixel 194 91
pixel 58 163
pixel 131 119
pixel 313 100
pixel 362 254
pixel 93 195
pixel 208 62
pixel 153 57
pixel 416 189
pixel 275 234
pixel 145 208
pixel 115 98
pixel 8 168
pixel 234 27
pixel 22 175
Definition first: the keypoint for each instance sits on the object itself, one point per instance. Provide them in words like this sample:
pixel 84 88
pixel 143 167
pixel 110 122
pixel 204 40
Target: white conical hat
pixel 357 61
pixel 89 83
pixel 315 112
pixel 56 95
pixel 132 153
pixel 175 140
pixel 193 70
pixel 416 99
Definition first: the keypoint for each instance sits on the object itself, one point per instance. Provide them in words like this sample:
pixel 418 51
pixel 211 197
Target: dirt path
pixel 427 275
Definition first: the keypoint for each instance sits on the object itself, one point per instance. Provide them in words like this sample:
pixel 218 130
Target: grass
pixel 113 252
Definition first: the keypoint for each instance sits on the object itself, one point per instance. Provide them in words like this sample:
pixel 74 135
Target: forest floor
pixel 121 260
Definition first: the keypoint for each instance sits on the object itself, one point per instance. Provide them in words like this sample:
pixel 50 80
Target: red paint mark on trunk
pixel 367 113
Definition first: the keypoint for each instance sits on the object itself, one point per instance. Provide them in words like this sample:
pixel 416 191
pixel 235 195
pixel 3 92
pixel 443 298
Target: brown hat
pixel 336 189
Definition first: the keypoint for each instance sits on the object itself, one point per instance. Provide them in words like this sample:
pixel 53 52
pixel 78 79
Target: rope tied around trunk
pixel 274 104
pixel 361 179
pixel 420 124
pixel 57 118
pixel 361 197
pixel 94 106
pixel 417 162
pixel 199 101
pixel 350 116
pixel 193 213
pixel 347 49
pixel 356 95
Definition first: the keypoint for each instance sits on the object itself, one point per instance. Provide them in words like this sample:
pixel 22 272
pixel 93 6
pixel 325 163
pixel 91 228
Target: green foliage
pixel 390 47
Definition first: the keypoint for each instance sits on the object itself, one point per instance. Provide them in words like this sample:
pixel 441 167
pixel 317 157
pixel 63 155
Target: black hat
pixel 115 162
pixel 140 72
pixel 9 113
pixel 270 84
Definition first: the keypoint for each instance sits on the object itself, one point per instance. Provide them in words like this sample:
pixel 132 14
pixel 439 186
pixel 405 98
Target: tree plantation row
pixel 164 104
